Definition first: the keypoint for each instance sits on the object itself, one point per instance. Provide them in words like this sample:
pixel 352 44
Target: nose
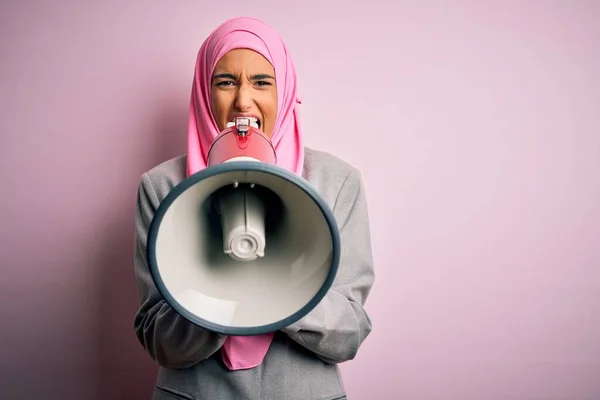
pixel 243 99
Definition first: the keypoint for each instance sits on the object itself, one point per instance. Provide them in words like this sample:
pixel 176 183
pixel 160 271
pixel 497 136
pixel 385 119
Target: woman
pixel 244 68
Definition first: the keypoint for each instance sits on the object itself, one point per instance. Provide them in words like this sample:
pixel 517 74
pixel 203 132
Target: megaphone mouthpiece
pixel 242 140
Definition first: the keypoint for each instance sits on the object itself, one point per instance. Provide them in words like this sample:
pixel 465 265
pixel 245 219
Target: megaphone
pixel 243 247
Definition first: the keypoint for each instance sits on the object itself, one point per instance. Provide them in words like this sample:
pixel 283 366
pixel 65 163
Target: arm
pixel 171 340
pixel 335 329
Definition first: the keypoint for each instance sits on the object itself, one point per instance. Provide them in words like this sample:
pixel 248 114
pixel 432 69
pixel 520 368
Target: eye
pixel 225 83
pixel 263 83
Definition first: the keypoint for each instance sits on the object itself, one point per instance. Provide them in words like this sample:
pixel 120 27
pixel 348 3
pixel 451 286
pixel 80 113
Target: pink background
pixel 475 125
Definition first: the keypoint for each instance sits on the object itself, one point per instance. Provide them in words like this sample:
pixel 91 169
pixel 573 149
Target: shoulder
pixel 163 177
pixel 324 163
pixel 324 169
pixel 338 182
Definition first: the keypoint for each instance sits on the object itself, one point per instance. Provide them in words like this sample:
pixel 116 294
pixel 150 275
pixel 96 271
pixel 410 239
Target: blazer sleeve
pixel 171 340
pixel 336 328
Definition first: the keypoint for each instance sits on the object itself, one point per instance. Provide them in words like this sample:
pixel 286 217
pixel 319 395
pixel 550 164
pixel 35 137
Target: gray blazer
pixel 301 363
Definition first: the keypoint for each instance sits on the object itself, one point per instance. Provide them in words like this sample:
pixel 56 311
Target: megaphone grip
pixel 243 222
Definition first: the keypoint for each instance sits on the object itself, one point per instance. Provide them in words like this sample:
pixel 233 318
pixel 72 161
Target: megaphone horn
pixel 243 247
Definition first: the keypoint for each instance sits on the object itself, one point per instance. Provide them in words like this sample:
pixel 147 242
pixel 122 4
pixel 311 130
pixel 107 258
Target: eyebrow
pixel 253 77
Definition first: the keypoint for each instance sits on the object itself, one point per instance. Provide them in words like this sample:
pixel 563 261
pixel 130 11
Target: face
pixel 243 84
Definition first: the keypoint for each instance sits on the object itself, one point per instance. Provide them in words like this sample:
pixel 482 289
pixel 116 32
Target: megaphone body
pixel 243 247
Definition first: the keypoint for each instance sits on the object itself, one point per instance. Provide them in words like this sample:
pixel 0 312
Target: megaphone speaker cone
pixel 243 248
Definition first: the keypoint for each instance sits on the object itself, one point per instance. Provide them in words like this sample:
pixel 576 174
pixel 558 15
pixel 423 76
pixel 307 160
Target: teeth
pixel 254 121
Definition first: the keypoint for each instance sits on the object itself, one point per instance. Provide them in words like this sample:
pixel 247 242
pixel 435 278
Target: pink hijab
pixel 249 33
pixel 240 352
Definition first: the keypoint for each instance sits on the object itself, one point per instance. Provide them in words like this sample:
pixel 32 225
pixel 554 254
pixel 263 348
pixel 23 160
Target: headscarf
pixel 240 352
pixel 248 33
